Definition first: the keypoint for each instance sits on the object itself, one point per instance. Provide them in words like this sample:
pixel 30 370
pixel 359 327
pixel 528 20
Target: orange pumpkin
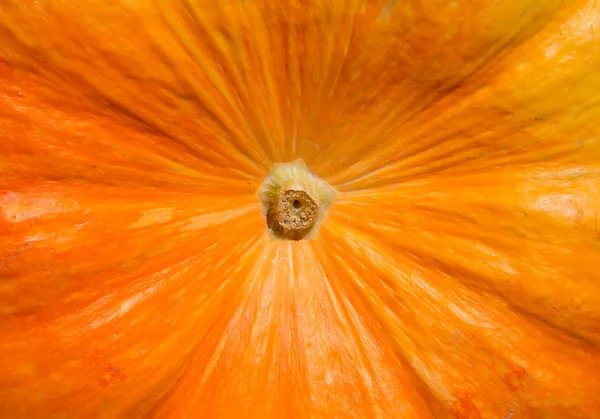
pixel 156 262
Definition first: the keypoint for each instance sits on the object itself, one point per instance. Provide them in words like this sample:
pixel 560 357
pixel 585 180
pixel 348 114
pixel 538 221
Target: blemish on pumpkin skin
pixel 112 374
pixel 384 17
pixel 578 220
pixel 154 216
pixel 104 373
pixel 464 408
pixel 516 379
pixel 16 207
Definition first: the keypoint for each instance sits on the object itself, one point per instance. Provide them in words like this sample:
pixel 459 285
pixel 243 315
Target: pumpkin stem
pixel 294 200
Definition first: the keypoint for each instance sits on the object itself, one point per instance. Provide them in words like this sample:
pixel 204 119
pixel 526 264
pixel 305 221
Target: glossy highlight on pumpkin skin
pixel 454 275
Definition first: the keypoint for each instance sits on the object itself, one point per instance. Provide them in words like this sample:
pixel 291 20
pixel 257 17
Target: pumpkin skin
pixel 455 275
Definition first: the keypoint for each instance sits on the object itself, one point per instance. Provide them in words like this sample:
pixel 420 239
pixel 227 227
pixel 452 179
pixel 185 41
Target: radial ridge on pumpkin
pixel 294 200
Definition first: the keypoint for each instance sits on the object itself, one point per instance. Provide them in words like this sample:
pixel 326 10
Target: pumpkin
pixel 299 209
